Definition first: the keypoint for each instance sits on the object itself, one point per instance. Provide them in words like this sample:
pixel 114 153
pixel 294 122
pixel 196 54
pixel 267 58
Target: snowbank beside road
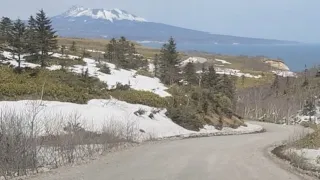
pixel 144 121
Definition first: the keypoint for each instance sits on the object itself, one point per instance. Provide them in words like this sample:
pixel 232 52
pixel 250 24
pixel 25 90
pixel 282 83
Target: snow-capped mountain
pixel 100 23
pixel 110 15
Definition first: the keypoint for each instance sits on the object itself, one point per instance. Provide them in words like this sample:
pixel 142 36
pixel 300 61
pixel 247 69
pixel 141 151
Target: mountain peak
pixel 111 15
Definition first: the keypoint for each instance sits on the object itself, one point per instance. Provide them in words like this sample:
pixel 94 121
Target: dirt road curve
pixel 213 158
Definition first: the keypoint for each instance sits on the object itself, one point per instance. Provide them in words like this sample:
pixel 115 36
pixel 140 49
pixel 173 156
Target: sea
pixel 296 56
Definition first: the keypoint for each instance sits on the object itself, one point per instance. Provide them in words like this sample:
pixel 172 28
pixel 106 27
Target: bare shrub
pixel 31 139
pixel 18 144
pixel 299 160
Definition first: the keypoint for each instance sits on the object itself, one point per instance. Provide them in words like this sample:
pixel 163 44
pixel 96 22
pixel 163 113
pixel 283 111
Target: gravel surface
pixel 242 157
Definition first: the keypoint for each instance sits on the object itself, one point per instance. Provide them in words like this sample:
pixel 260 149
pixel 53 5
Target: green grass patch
pixel 140 97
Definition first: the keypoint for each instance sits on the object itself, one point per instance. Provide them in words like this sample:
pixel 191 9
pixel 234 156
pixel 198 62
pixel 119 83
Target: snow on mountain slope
pixel 137 82
pixel 110 15
pixel 122 76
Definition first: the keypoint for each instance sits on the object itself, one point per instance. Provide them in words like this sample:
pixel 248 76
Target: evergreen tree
pixel 156 65
pixel 306 81
pixel 17 40
pixel 318 72
pixel 243 80
pixel 32 38
pixel 111 50
pixel 73 47
pixel 5 29
pixel 276 85
pixel 227 87
pixel 169 63
pixel 47 40
pixel 63 50
pixel 123 51
pixel 189 73
pixel 309 109
pixel 210 78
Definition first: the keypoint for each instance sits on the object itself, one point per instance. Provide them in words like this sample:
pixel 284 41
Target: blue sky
pixel 277 19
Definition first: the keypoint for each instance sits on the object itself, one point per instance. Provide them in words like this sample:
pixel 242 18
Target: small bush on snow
pixel 151 116
pixel 140 112
pixel 122 87
pixel 104 68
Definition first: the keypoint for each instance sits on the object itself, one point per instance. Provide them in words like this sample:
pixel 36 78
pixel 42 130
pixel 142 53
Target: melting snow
pixel 233 72
pixel 92 50
pixel 122 76
pixel 223 61
pixel 285 73
pixel 312 155
pixel 97 113
pixel 193 60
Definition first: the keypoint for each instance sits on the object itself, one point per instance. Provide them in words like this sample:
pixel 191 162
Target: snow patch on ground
pixel 233 72
pixel 193 60
pixel 95 51
pixel 222 61
pixel 312 155
pixel 122 76
pixel 98 112
pixel 284 73
pixel 57 55
pixel 137 82
pixel 151 67
pixel 300 118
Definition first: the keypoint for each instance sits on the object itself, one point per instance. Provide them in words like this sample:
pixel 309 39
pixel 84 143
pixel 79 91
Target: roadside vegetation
pixel 280 100
pixel 198 98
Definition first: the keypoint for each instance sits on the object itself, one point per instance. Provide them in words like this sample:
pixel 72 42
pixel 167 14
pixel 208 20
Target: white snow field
pixel 193 60
pixel 222 61
pixel 285 73
pixel 233 72
pixel 98 113
pixel 137 82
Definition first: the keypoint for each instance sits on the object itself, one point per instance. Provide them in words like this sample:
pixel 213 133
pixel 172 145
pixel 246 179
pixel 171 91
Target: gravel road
pixel 240 157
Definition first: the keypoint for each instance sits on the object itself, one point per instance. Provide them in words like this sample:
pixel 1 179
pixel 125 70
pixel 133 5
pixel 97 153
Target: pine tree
pixel 63 50
pixel 276 85
pixel 306 81
pixel 318 72
pixel 169 63
pixel 156 66
pixel 46 36
pixel 309 109
pixel 210 78
pixel 111 50
pixel 189 73
pixel 122 53
pixel 5 29
pixel 73 47
pixel 243 80
pixel 227 87
pixel 32 38
pixel 18 40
